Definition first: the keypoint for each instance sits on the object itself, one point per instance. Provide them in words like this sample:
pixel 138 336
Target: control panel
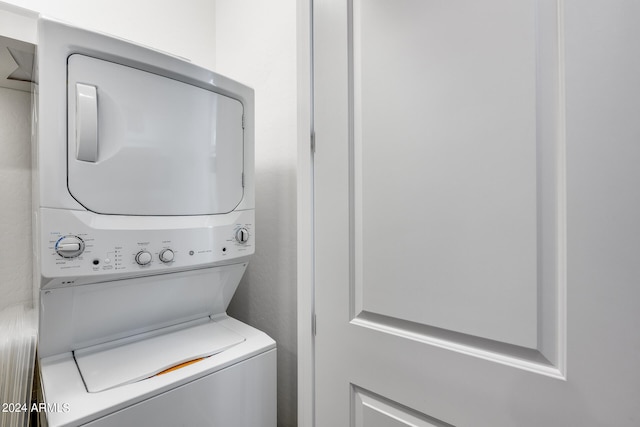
pixel 82 247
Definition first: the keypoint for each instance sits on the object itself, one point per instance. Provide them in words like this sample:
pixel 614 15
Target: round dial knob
pixel 69 246
pixel 166 255
pixel 143 257
pixel 242 235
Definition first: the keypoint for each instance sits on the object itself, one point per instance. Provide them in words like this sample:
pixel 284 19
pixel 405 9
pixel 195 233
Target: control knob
pixel 166 255
pixel 242 235
pixel 69 246
pixel 143 257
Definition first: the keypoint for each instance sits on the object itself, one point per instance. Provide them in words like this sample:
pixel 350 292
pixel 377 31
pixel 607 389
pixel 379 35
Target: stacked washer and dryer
pixel 143 227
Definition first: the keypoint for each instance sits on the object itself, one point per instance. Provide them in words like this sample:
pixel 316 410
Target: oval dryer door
pixel 143 144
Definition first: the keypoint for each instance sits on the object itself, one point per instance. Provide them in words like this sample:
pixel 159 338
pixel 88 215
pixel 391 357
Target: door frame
pixel 305 218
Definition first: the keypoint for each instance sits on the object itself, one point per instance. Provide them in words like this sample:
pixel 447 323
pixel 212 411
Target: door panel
pixel 451 203
pixel 156 145
pixel 433 190
pixel 371 410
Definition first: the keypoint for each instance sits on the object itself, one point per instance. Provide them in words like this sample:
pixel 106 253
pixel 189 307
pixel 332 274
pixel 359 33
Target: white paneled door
pixel 477 213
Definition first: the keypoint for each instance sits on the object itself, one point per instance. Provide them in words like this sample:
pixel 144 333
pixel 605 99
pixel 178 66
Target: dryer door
pixel 144 144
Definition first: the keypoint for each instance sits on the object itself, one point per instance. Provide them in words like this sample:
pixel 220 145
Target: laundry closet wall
pixel 15 197
pixel 256 44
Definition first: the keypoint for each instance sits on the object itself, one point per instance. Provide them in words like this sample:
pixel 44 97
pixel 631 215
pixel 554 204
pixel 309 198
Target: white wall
pixel 181 27
pixel 256 44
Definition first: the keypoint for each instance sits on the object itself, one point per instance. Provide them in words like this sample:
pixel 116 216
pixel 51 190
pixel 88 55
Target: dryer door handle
pixel 86 123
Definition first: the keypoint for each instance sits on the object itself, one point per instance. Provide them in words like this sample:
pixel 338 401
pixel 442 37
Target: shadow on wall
pixel 266 296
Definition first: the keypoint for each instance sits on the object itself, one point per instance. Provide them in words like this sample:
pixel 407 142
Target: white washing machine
pixel 143 227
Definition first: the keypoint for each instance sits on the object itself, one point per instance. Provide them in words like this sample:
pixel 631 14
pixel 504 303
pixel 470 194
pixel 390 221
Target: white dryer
pixel 143 227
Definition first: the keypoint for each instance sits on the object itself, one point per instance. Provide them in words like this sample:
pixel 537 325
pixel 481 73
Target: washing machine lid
pixel 110 365
pixel 140 143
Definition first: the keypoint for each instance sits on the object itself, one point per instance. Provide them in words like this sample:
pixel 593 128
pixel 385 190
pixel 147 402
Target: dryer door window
pixel 143 144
